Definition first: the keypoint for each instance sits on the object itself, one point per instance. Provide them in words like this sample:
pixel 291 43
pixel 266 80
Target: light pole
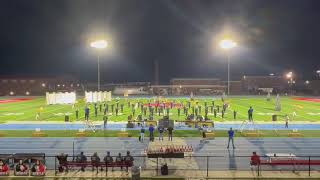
pixel 289 76
pixel 228 44
pixel 99 44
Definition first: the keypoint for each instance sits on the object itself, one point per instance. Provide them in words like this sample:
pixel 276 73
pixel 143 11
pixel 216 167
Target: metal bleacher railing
pixel 203 164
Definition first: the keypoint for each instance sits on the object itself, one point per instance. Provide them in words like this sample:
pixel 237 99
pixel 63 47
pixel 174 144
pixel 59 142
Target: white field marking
pixel 114 114
pixel 13 114
pixel 313 114
pixel 217 113
pixel 42 114
pixel 62 114
pixel 265 114
pixel 282 111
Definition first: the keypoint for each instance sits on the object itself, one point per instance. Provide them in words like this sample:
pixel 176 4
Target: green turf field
pixel 263 109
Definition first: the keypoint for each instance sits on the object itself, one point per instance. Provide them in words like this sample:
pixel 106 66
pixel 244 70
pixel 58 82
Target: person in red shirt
pixel 4 168
pixel 255 159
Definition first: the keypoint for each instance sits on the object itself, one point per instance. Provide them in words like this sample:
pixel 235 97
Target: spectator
pixel 161 130
pixel 62 158
pixel 231 136
pixel 142 131
pixel 4 168
pixel 170 132
pixel 128 159
pixel 164 169
pixel 38 168
pixel 151 130
pixel 81 158
pixel 21 167
pixel 95 160
pixel 255 160
pixel 119 160
pixel 108 160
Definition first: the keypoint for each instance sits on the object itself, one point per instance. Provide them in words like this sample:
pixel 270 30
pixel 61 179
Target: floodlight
pixel 27 93
pixel 227 44
pixel 289 75
pixel 99 44
pixel 43 85
pixel 307 82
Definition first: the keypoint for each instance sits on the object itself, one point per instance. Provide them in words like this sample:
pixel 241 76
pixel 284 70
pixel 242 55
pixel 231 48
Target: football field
pixel 297 108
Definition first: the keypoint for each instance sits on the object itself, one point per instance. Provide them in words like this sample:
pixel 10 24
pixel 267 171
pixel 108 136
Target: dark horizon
pixel 51 38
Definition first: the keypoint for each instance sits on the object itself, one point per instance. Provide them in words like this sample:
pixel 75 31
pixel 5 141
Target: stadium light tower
pixel 291 81
pixel 228 44
pixel 318 72
pixel 99 44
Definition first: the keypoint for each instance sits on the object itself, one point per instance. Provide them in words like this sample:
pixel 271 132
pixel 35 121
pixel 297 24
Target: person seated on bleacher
pixel 62 158
pixel 164 169
pixel 38 168
pixel 255 160
pixel 95 160
pixel 81 158
pixel 128 159
pixel 4 168
pixel 108 160
pixel 119 160
pixel 21 167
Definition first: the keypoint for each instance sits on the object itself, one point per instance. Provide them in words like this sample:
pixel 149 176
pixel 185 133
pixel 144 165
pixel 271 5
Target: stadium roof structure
pixel 187 86
pixel 267 76
pixel 173 79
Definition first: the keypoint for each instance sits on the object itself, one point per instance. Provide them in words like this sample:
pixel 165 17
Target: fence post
pixel 55 166
pixel 207 166
pixel 73 150
pixel 309 166
pixel 157 165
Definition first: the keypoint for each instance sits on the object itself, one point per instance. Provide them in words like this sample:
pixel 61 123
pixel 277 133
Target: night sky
pixel 49 38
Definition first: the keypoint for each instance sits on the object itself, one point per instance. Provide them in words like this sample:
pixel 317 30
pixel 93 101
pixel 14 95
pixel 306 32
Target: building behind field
pixel 198 86
pixel 253 85
pixel 36 85
pixel 260 84
pixel 186 86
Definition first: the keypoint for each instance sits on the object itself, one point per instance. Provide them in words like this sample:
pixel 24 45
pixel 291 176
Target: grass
pixel 135 133
pixel 26 111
